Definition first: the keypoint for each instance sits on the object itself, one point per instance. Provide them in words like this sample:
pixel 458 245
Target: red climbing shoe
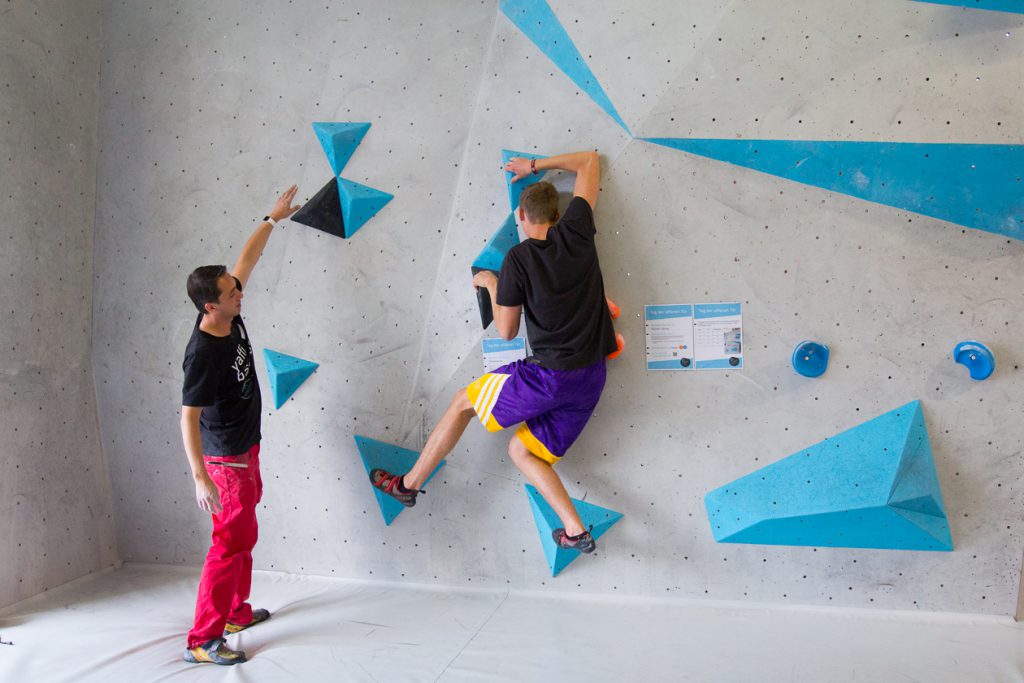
pixel 391 484
pixel 585 543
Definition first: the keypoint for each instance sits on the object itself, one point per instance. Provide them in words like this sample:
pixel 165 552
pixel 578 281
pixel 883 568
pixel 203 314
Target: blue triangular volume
pixel 339 141
pixel 536 20
pixel 516 189
pixel 506 237
pixel 995 5
pixel 359 204
pixel 287 373
pixel 558 558
pixel 872 486
pixel 394 459
pixel 976 186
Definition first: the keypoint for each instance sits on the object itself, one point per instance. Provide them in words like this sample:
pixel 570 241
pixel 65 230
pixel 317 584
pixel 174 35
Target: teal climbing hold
pixel 547 521
pixel 516 189
pixel 976 357
pixel 339 141
pixel 359 204
pixel 504 238
pixel 287 373
pixel 394 459
pixel 872 486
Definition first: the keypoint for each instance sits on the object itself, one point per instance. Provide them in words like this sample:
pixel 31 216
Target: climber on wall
pixel 220 427
pixel 556 277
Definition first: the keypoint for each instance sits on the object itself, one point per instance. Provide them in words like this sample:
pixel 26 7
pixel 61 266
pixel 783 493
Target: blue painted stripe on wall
pixel 994 5
pixel 977 186
pixel 539 23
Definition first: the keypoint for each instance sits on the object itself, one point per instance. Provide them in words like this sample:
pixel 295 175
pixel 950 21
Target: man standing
pixel 556 277
pixel 220 427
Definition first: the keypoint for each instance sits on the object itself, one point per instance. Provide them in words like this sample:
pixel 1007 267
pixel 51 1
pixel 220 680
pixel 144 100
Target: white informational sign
pixel 669 337
pixel 694 336
pixel 498 352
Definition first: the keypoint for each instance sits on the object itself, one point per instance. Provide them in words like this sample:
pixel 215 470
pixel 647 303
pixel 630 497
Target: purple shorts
pixel 553 405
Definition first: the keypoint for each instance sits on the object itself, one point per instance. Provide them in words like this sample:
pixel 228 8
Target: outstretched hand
pixel 283 207
pixel 519 166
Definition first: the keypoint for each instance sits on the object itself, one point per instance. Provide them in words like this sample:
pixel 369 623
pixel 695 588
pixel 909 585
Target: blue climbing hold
pixel 810 359
pixel 516 189
pixel 558 559
pixel 394 459
pixel 503 239
pixel 287 373
pixel 359 204
pixel 872 486
pixel 339 141
pixel 976 357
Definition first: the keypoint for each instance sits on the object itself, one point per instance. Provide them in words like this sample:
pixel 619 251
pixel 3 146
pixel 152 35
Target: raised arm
pixel 253 249
pixel 586 166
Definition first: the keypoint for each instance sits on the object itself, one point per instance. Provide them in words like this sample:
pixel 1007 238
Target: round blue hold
pixel 976 356
pixel 810 359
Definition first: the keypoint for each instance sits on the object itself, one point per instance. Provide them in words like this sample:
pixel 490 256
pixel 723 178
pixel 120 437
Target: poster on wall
pixel 694 336
pixel 669 336
pixel 498 352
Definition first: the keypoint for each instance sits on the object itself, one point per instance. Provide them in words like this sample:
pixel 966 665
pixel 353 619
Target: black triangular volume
pixel 323 211
pixel 483 301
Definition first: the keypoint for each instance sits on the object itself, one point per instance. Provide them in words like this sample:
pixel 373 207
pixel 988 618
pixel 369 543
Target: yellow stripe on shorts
pixel 483 394
pixel 534 445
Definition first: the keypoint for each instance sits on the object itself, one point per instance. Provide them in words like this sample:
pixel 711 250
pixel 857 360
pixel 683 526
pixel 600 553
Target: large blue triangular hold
pixel 516 189
pixel 995 5
pixel 559 558
pixel 506 237
pixel 539 23
pixel 394 459
pixel 359 204
pixel 977 186
pixel 872 486
pixel 339 141
pixel 287 373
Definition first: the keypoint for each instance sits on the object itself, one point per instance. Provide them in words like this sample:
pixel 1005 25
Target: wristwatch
pixel 268 219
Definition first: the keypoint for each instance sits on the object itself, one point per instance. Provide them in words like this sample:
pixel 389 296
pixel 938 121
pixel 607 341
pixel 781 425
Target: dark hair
pixel 540 202
pixel 202 285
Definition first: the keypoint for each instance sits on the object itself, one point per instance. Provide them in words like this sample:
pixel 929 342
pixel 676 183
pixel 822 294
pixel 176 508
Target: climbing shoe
pixel 391 484
pixel 585 543
pixel 214 652
pixel 258 615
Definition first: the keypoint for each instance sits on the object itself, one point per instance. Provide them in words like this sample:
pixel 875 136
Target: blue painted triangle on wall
pixel 359 203
pixel 559 558
pixel 394 459
pixel 539 23
pixel 995 5
pixel 492 256
pixel 339 141
pixel 287 373
pixel 516 189
pixel 867 487
pixel 977 186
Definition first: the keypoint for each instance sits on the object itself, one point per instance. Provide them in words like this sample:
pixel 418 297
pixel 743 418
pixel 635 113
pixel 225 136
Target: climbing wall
pixel 55 498
pixel 850 174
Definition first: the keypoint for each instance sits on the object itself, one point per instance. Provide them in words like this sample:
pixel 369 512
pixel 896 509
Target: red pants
pixel 227 572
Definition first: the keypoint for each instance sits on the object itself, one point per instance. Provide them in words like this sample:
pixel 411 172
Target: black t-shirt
pixel 558 282
pixel 220 377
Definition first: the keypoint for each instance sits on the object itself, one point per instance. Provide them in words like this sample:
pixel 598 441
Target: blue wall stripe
pixel 977 186
pixel 539 23
pixel 995 5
